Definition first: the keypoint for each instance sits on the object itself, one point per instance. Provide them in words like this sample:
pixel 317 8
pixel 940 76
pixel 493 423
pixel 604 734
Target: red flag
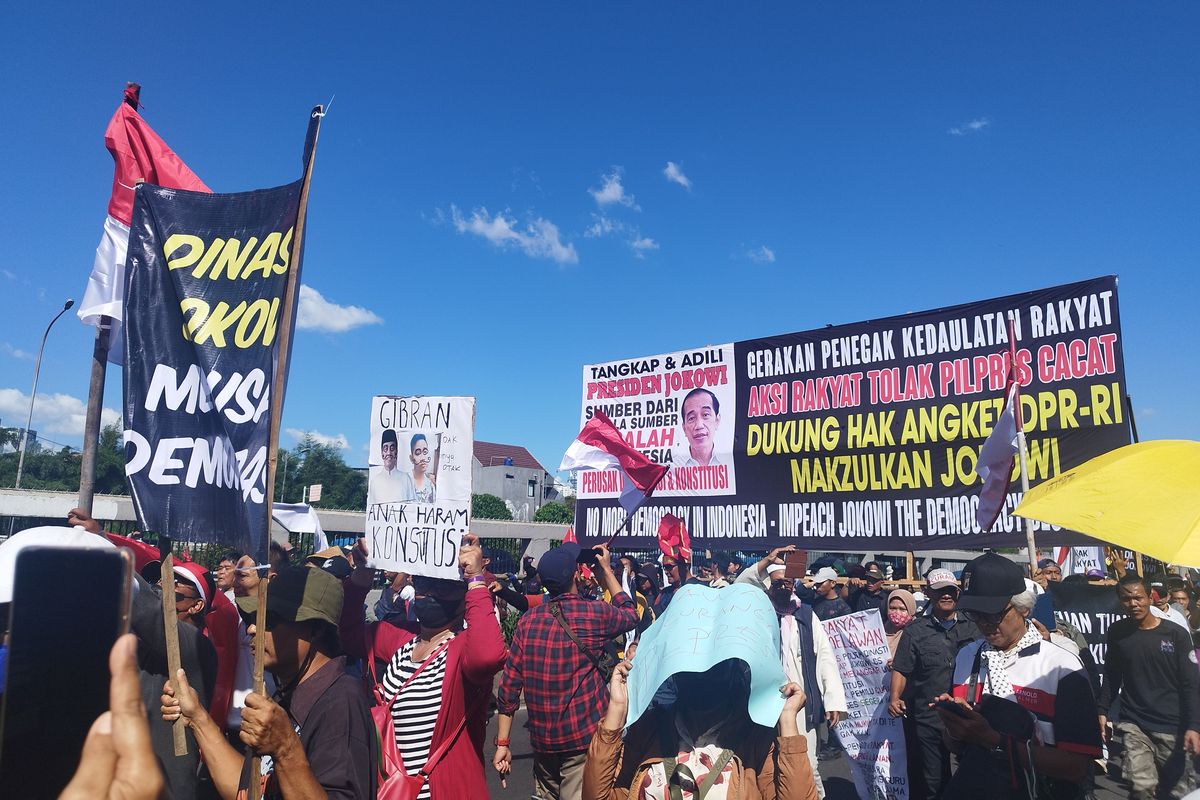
pixel 570 537
pixel 600 446
pixel 140 154
pixel 673 539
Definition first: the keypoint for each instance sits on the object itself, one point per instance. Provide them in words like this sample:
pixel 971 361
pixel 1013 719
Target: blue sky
pixel 491 190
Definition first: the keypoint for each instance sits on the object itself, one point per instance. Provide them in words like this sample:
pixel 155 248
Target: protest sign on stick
pixel 873 738
pixel 419 486
pixel 211 285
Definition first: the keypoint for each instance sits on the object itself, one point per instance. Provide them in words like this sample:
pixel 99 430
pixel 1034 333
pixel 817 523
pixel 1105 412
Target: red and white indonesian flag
pixel 600 446
pixel 139 154
pixel 996 463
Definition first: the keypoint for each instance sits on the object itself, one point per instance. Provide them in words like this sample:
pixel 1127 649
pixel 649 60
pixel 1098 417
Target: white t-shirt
pixel 395 486
pixel 1171 615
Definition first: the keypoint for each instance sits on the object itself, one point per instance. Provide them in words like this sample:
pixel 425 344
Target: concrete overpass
pixel 23 508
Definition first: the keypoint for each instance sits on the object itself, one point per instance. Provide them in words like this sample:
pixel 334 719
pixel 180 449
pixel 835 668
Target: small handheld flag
pixel 600 446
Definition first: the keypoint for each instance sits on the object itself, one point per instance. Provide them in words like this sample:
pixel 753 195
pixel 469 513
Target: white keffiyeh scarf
pixel 998 661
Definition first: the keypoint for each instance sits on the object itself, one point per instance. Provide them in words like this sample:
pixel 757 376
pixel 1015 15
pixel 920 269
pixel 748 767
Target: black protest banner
pixel 863 436
pixel 206 278
pixel 1091 609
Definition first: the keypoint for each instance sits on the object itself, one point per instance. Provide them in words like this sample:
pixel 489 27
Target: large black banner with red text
pixel 863 436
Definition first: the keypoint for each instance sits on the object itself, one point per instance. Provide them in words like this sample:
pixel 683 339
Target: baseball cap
pixel 941 578
pixel 298 594
pixel 875 573
pixel 989 583
pixel 557 567
pixel 43 536
pixel 1047 562
pixel 1095 572
pixel 825 574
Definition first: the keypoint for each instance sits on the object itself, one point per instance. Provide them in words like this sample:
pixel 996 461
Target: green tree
pixel 558 513
pixel 110 462
pixel 488 506
pixel 312 462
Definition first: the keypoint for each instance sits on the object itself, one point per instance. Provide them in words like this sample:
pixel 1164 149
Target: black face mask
pixel 434 613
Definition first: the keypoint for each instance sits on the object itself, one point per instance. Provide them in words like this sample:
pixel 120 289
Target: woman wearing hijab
pixel 705 744
pixel 438 683
pixel 900 609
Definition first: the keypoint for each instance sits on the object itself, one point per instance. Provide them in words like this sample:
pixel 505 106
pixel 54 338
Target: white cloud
pixel 606 226
pixel 611 191
pixel 675 174
pixel 318 314
pixel 53 414
pixel 539 239
pixel 761 255
pixel 8 273
pixel 974 126
pixel 642 245
pixel 603 226
pixel 15 352
pixel 340 441
pixel 1148 412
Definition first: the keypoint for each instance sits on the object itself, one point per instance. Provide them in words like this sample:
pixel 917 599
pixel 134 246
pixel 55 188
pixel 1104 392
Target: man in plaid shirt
pixel 565 694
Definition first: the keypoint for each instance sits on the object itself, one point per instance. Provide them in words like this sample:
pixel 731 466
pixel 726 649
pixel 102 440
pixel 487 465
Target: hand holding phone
pixel 55 644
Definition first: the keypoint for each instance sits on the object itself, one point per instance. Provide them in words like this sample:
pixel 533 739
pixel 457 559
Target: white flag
pixel 996 462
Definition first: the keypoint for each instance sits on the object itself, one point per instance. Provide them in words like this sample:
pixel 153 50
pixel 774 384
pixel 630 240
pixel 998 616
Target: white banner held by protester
pixel 419 489
pixel 873 739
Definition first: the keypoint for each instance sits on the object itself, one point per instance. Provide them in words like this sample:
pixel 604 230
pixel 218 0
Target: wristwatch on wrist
pixel 500 742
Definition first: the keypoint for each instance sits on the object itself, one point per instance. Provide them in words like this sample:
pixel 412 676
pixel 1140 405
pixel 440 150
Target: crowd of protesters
pixel 397 703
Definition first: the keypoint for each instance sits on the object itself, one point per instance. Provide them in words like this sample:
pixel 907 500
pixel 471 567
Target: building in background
pixel 511 473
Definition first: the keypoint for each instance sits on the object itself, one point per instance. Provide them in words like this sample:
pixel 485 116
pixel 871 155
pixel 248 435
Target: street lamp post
pixel 36 369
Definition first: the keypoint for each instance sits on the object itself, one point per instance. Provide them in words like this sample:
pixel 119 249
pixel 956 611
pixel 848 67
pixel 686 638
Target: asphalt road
pixel 834 773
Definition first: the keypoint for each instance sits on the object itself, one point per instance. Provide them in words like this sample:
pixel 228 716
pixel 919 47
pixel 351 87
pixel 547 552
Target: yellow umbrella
pixel 1145 497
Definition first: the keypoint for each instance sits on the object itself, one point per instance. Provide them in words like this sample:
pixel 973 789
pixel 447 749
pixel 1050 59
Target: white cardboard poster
pixel 419 487
pixel 873 739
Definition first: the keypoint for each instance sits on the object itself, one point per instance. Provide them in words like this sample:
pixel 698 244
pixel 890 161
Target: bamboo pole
pixel 1019 418
pixel 278 388
pixel 91 424
pixel 166 580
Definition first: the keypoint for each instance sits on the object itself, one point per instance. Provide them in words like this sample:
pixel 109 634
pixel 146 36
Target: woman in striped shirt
pixel 440 680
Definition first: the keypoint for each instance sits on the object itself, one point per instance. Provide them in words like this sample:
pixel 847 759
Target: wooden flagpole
pixel 278 387
pixel 166 580
pixel 629 517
